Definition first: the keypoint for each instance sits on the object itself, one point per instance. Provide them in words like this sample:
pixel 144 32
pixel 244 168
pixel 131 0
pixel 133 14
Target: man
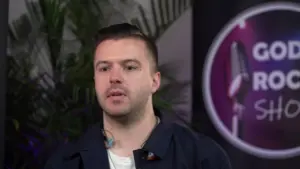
pixel 133 134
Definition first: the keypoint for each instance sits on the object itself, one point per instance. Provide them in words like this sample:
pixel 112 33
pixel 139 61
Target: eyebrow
pixel 122 61
pixel 100 62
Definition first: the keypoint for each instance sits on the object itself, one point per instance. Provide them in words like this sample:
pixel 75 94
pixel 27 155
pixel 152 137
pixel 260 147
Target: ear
pixel 156 78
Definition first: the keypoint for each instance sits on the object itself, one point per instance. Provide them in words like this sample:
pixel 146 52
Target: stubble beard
pixel 132 113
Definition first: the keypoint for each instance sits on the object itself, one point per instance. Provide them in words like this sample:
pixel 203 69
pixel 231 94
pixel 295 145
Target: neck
pixel 130 136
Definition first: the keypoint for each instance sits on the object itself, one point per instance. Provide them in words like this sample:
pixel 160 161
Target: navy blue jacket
pixel 174 147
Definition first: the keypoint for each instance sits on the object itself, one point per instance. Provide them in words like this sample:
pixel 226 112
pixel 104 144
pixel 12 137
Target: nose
pixel 116 76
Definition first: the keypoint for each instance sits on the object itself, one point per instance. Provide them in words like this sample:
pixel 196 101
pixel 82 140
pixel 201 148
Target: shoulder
pixel 201 141
pixel 208 152
pixel 66 152
pixel 57 157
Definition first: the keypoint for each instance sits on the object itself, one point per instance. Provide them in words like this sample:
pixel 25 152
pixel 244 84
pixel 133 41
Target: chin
pixel 117 114
pixel 116 111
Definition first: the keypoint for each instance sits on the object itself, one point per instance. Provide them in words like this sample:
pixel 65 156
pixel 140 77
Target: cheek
pixel 145 85
pixel 100 85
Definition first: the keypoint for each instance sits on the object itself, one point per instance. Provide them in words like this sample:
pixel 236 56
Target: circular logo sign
pixel 252 81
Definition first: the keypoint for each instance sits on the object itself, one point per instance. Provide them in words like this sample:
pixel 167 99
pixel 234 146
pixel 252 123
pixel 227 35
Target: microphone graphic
pixel 239 84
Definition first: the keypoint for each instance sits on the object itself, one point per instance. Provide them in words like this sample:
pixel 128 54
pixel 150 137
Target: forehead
pixel 121 49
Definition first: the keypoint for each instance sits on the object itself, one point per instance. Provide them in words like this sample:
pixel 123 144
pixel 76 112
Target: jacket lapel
pixel 94 159
pixel 89 151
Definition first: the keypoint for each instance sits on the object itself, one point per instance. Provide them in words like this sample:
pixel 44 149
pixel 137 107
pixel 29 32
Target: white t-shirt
pixel 118 162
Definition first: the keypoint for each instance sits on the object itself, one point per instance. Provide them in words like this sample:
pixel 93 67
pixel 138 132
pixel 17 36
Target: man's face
pixel 124 77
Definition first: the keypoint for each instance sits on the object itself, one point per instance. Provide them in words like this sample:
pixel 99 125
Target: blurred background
pixel 50 94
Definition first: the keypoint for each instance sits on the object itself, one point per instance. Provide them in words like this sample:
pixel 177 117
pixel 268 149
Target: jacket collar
pixel 91 145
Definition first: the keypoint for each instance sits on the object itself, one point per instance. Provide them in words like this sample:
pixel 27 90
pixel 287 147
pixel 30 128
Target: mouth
pixel 116 94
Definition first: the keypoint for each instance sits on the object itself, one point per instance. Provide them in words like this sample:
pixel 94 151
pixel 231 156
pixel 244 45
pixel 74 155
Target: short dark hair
pixel 126 30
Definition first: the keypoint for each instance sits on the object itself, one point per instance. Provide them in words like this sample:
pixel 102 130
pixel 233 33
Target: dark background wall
pixel 3 32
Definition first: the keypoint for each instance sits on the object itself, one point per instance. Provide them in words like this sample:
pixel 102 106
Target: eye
pixel 131 67
pixel 103 69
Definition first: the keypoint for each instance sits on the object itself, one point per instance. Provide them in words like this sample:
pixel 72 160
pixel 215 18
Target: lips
pixel 116 93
